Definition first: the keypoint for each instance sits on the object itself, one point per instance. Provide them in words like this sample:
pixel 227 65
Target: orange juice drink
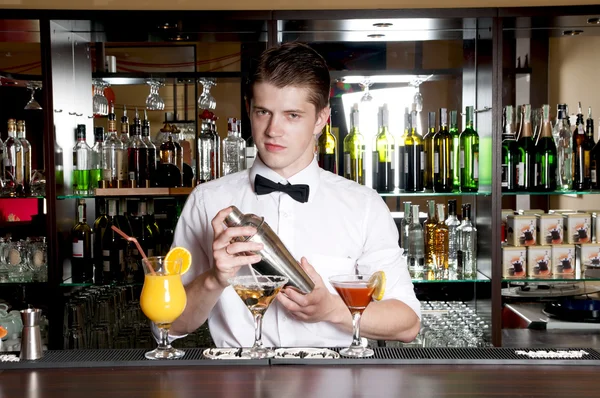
pixel 163 298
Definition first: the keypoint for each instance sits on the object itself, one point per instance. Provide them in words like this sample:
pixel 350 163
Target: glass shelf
pixel 22 197
pixel 430 193
pixel 68 282
pixel 62 197
pixel 423 277
pixel 22 283
pixel 590 192
pixel 558 278
pixel 112 192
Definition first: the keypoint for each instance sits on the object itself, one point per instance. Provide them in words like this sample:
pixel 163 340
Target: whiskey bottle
pixel 453 239
pixel 405 226
pixel 114 157
pixel 469 155
pixel 168 174
pixel 416 250
pixel 13 162
pixel 82 258
pixel 353 150
pixel 327 152
pixel 581 174
pixel 137 157
pixel 82 161
pixel 526 174
pixel 414 159
pixel 383 156
pixel 510 151
pixel 21 136
pixel 545 156
pixel 442 156
pixel 428 151
pixel 429 229
pixel 563 139
pixel 441 241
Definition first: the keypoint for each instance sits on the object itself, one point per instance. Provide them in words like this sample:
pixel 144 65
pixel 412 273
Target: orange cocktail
pixel 355 296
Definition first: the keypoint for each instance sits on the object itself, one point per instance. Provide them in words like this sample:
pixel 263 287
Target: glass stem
pixel 164 338
pixel 356 329
pixel 258 330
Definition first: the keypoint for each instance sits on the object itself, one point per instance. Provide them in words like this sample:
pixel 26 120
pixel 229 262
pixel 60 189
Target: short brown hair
pixel 293 64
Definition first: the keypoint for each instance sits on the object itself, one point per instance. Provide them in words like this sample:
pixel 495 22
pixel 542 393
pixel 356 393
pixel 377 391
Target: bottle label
pixel 594 180
pixel 504 175
pixel 132 175
pixel 521 174
pixel 375 161
pixel 92 245
pixel 436 163
pixel 422 161
pixel 405 164
pixel 476 165
pixel 462 159
pixel 106 260
pixel 392 158
pixel 347 165
pixel 78 248
pixel 106 174
pixel 119 165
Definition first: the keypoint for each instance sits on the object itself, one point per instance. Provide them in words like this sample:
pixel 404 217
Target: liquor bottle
pixel 205 144
pixel 143 233
pixel 216 146
pixel 250 153
pixel 403 137
pixel 99 228
pixel 429 229
pixel 97 163
pixel 13 161
pixel 137 157
pixel 113 247
pixel 588 147
pixel 178 152
pixel 168 174
pixel 115 155
pixel 563 139
pixel 405 225
pixel 327 153
pixel 416 250
pixel 124 128
pixel 152 151
pixel 545 154
pixel 441 241
pixel 442 156
pixel 428 151
pixel 455 134
pixel 242 143
pixel 526 174
pixel 453 238
pixel 469 155
pixel 383 156
pixel 156 232
pixel 581 175
pixel 59 168
pixel 414 159
pixel 468 245
pixel 82 161
pixel 510 151
pixel 231 149
pixel 82 259
pixel 2 177
pixel 21 136
pixel 353 150
pixel 595 165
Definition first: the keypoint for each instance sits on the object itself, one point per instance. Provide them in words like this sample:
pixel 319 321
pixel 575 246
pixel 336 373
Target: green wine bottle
pixel 414 160
pixel 510 151
pixel 455 133
pixel 545 155
pixel 429 151
pixel 526 174
pixel 383 165
pixel 407 129
pixel 442 156
pixel 469 156
pixel 353 150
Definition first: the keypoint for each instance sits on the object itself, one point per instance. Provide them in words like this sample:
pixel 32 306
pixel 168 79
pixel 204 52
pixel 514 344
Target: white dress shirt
pixel 342 224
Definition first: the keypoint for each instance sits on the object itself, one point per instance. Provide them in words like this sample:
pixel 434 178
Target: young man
pixel 342 225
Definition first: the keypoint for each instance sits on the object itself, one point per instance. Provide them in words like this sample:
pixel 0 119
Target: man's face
pixel 284 124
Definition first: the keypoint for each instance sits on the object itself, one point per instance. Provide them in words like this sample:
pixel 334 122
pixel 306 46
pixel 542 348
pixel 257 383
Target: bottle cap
pixel 80 131
pixel 99 134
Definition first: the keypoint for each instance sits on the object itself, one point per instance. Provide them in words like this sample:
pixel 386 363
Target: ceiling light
pixel 593 21
pixel 383 24
pixel 572 32
pixel 179 37
pixel 167 26
pixel 375 36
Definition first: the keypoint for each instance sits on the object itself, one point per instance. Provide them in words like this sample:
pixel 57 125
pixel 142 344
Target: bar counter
pixel 484 372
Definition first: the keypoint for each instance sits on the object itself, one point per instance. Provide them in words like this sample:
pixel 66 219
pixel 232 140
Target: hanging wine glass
pixel 418 97
pixel 206 100
pixel 33 104
pixel 365 85
pixel 154 102
pixel 100 102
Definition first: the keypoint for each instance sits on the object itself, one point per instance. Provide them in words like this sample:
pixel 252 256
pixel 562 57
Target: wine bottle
pixel 595 165
pixel 510 151
pixel 429 230
pixel 152 151
pixel 143 233
pixel 405 225
pixel 453 238
pixel 469 155
pixel 383 156
pixel 401 141
pixel 113 247
pixel 114 158
pixel 82 258
pixel 455 133
pixel 468 245
pixel 564 146
pixel 27 151
pixel 580 182
pixel 327 152
pixel 82 161
pixel 588 147
pixel 545 155
pixel 442 156
pixel 526 175
pixel 205 143
pixel 99 228
pixel 414 159
pixel 428 151
pixel 353 150
pixel 416 250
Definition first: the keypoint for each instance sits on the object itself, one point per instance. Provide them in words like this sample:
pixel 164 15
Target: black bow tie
pixel 263 186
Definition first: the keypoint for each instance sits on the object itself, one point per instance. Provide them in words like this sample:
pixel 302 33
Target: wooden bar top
pixel 305 381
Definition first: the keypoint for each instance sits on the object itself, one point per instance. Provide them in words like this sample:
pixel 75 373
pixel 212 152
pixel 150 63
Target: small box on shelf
pixel 521 230
pixel 539 261
pixel 563 261
pixel 577 228
pixel 514 264
pixel 550 229
pixel 588 257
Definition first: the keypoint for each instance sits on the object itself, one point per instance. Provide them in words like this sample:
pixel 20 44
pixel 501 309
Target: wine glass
pixel 206 100
pixel 257 292
pixel 33 104
pixel 163 300
pixel 356 291
pixel 366 85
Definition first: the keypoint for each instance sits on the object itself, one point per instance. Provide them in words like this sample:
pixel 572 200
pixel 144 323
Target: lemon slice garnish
pixel 378 280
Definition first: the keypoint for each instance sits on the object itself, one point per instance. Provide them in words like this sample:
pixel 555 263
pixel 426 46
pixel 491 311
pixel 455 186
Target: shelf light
pixel 593 21
pixel 378 79
pixel 383 24
pixel 575 32
pixel 376 36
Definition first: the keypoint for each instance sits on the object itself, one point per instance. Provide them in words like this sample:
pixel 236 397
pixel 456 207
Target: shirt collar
pixel 310 176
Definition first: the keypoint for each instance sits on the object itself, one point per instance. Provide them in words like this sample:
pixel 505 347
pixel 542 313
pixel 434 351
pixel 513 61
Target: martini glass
pixel 257 292
pixel 356 292
pixel 163 300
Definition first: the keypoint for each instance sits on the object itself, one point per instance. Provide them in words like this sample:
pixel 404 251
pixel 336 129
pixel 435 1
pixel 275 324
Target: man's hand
pixel 229 255
pixel 316 306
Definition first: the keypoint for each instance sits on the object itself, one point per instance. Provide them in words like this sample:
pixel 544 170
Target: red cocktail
pixel 356 291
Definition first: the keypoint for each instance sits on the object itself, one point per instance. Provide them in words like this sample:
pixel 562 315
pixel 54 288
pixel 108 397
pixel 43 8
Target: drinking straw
pixel 137 244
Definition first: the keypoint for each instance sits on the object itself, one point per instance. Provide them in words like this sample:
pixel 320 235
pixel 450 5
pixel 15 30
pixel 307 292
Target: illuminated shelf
pixel 534 193
pixel 68 282
pixel 558 278
pixel 21 197
pixel 112 192
pixel 446 279
pixel 430 193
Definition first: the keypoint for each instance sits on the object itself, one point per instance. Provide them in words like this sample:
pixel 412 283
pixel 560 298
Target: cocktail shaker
pixel 31 338
pixel 276 258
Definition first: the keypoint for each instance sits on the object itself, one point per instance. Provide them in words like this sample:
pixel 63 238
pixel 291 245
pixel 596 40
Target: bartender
pixel 337 227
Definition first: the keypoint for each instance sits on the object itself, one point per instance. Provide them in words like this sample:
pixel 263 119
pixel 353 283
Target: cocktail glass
pixel 356 292
pixel 257 292
pixel 163 300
